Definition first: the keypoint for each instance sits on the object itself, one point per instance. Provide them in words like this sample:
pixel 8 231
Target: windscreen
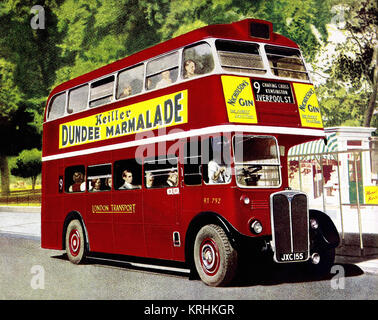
pixel 256 161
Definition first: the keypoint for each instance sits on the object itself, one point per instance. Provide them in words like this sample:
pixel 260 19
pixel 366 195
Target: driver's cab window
pixel 257 162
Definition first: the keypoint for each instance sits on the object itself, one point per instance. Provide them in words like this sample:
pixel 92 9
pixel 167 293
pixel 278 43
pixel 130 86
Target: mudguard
pixel 74 215
pixel 326 235
pixel 238 241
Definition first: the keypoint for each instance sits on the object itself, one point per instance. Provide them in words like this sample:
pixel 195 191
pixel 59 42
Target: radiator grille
pixel 289 217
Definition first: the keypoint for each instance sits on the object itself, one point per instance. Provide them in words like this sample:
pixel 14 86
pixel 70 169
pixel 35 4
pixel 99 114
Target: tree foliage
pixel 28 165
pixel 356 63
pixel 98 33
pixel 295 19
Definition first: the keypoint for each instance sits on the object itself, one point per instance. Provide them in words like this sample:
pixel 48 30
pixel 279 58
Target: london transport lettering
pixel 113 208
pixel 160 112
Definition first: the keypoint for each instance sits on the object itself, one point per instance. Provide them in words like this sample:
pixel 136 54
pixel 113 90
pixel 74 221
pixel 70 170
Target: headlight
pixel 256 227
pixel 314 224
pixel 245 199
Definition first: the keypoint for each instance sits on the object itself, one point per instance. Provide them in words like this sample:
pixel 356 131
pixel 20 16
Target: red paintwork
pixel 235 31
pixel 148 232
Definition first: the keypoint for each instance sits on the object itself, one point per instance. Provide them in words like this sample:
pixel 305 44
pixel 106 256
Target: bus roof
pixel 234 31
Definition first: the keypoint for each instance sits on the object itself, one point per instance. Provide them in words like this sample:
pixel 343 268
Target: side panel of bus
pixel 127 206
pixel 51 217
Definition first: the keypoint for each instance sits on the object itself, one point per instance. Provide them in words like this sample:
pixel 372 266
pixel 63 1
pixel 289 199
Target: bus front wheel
pixel 214 257
pixel 75 242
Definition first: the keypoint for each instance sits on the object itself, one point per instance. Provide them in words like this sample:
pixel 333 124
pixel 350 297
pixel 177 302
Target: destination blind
pixel 269 91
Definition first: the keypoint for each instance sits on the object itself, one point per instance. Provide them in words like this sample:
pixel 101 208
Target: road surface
pixel 29 272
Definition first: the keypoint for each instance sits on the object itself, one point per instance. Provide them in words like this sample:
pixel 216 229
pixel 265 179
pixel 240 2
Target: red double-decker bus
pixel 179 152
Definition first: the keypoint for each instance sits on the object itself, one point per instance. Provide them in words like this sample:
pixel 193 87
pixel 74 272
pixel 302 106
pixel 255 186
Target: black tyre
pixel 214 257
pixel 75 242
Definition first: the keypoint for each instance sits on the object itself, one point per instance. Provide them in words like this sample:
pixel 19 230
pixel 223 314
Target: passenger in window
pixel 165 79
pixel 149 180
pixel 218 173
pixel 127 176
pixel 172 178
pixel 189 69
pixel 95 185
pixel 149 84
pixel 78 179
pixel 108 183
pixel 126 92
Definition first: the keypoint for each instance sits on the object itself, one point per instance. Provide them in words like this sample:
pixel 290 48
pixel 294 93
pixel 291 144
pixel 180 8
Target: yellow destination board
pixel 160 112
pixel 240 102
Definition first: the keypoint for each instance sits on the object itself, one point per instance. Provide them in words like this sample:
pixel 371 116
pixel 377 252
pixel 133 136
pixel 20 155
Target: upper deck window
pixel 57 105
pixel 78 99
pixel 162 71
pixel 240 57
pixel 130 82
pixel 197 60
pixel 286 62
pixel 101 91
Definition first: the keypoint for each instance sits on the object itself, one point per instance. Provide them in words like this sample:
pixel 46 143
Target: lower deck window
pixel 99 178
pixel 74 179
pixel 127 174
pixel 161 173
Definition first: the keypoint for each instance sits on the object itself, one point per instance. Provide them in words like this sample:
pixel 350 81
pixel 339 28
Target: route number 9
pixel 256 85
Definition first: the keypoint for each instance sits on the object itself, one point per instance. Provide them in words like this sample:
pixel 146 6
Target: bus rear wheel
pixel 75 242
pixel 214 257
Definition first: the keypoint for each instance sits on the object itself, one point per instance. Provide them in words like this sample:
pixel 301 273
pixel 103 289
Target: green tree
pixel 28 165
pixel 357 61
pixel 9 98
pixel 98 33
pixel 302 21
pixel 341 106
pixel 34 52
pixel 28 60
pixel 17 132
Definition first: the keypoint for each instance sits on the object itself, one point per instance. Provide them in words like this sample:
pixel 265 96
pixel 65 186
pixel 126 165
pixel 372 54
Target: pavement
pixel 25 222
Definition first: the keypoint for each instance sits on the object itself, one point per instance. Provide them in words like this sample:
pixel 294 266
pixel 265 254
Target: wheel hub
pixel 209 255
pixel 74 242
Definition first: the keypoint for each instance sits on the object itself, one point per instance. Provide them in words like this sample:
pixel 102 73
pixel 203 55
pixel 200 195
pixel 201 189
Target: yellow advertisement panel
pixel 160 112
pixel 240 102
pixel 371 195
pixel 308 107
